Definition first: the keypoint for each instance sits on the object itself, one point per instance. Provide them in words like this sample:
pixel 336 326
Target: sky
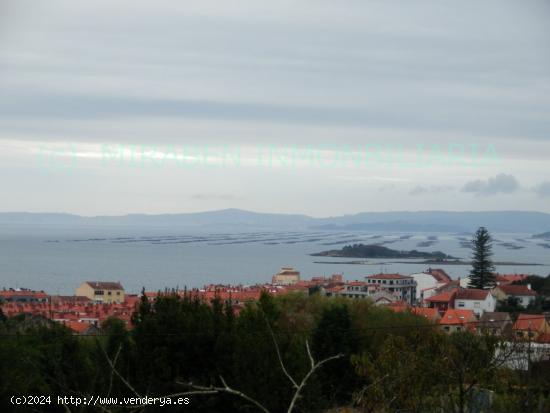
pixel 316 107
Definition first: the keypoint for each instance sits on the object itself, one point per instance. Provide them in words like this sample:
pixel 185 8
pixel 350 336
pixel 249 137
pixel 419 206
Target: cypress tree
pixel 482 273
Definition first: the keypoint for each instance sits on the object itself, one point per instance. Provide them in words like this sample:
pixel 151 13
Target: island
pixel 379 251
pixel 544 235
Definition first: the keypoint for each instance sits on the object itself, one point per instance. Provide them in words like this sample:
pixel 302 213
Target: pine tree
pixel 482 273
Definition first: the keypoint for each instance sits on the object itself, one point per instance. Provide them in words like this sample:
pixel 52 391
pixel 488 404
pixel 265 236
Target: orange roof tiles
pixel 453 317
pixel 429 313
pixel 77 327
pixel 471 294
pixel 509 289
pixel 442 298
pixel 509 278
pixel 530 321
pixel 23 293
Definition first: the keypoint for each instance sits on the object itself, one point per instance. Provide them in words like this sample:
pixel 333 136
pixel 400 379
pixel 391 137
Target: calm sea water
pixel 57 260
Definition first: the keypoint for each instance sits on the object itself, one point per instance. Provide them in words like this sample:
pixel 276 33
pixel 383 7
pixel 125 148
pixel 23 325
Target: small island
pixel 379 251
pixel 544 235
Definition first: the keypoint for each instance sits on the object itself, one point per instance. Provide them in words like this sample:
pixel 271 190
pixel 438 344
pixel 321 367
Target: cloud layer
pixel 500 184
pixel 83 74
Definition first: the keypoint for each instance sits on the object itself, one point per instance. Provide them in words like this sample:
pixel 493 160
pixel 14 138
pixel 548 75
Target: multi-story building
pixel 403 287
pixel 102 291
pixel 286 276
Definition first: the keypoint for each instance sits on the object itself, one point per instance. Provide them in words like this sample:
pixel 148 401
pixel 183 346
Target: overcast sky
pixel 317 107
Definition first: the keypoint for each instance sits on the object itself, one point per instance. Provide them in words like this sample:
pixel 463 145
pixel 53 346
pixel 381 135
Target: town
pixel 431 294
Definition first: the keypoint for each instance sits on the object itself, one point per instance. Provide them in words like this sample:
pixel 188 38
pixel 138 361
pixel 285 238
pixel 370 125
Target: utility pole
pixel 529 333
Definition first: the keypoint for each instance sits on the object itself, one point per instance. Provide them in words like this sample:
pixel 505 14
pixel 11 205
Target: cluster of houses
pixel 449 303
pixel 431 294
pixel 83 313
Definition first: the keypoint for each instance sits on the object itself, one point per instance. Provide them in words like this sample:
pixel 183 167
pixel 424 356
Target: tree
pixel 482 273
pixel 470 364
pixel 404 376
pixel 334 334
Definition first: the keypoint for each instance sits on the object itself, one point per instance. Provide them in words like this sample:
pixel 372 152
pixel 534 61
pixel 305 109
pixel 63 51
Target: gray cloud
pixel 542 189
pixel 500 184
pixel 432 189
pixel 255 73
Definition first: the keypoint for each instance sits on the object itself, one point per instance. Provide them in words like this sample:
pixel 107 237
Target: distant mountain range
pixel 240 220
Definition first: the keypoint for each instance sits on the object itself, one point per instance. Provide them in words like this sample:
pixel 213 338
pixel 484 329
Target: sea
pixel 58 259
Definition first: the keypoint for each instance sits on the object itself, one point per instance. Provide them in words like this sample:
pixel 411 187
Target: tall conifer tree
pixel 482 273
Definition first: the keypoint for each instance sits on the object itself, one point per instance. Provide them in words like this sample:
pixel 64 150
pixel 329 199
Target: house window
pixel 461 303
pixel 118 293
pixel 476 304
pixel 99 292
pixel 108 293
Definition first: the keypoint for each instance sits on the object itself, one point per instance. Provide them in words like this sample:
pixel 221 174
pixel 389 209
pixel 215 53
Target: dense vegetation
pixel 375 360
pixel 379 251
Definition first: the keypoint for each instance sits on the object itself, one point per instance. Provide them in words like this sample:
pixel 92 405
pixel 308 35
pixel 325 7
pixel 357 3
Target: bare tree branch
pixel 113 369
pixel 309 354
pixel 225 389
pixel 281 363
pixel 308 375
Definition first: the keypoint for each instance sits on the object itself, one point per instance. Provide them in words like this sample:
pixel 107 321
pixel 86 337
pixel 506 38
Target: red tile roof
pixel 509 289
pixel 471 294
pixel 24 293
pixel 453 317
pixel 509 278
pixel 530 321
pixel 77 327
pixel 442 298
pixel 429 313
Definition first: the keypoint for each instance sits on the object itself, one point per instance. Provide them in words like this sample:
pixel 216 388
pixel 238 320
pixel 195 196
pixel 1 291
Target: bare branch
pixel 114 370
pixel 281 363
pixel 225 389
pixel 307 376
pixel 309 354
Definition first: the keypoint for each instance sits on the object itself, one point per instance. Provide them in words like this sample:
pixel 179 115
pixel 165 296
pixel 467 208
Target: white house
pixel 523 293
pixel 476 300
pixel 428 281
